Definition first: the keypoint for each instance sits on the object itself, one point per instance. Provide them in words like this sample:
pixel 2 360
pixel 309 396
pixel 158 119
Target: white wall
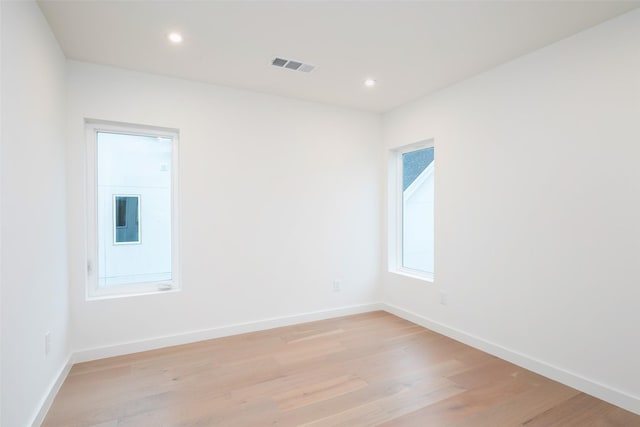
pixel 278 199
pixel 34 261
pixel 537 205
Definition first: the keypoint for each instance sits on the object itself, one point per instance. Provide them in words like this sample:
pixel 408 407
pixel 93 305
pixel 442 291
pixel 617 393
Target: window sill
pixel 414 275
pixel 132 294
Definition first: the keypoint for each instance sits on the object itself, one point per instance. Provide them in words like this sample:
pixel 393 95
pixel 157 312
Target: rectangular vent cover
pixel 292 65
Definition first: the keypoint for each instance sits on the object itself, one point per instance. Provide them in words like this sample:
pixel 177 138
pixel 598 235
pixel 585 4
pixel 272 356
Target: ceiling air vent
pixel 292 65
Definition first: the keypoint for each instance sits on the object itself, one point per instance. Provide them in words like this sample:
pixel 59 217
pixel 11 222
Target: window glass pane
pixel 121 211
pixel 134 209
pixel 417 210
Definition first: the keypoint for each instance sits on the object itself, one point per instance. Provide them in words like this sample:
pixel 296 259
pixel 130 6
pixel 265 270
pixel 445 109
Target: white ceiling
pixel 410 48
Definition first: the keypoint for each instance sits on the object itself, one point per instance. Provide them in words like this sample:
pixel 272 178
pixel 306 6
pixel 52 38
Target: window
pixel 132 195
pixel 413 178
pixel 126 210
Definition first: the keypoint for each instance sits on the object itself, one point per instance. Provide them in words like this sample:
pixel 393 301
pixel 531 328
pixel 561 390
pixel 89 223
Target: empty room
pixel 320 213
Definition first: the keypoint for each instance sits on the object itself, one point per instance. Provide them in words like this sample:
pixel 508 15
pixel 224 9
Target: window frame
pixel 396 212
pixel 92 289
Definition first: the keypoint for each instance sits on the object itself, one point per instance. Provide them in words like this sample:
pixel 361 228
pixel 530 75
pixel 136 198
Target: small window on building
pixel 127 219
pixel 132 210
pixel 414 228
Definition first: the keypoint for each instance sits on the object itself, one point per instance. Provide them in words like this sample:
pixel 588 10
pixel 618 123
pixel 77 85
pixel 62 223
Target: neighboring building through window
pixel 415 210
pixel 132 209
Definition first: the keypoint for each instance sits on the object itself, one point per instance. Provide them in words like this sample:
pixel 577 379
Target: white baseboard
pixel 47 400
pixel 223 331
pixel 571 379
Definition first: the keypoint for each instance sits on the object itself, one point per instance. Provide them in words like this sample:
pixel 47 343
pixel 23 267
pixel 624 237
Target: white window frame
pixel 395 212
pixel 93 290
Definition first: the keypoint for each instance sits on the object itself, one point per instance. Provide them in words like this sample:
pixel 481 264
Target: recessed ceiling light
pixel 369 82
pixel 175 38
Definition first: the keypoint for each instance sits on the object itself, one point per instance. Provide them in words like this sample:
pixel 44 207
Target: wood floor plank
pixel 405 401
pixel 323 409
pixel 365 370
pixel 583 410
pixel 521 407
pixel 318 391
pixel 451 411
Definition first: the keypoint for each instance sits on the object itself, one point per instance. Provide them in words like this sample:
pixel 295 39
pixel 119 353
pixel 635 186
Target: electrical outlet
pixel 336 286
pixel 47 343
pixel 443 298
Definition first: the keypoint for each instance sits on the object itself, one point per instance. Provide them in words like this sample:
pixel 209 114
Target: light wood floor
pixel 364 370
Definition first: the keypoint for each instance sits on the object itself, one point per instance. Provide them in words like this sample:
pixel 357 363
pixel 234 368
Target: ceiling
pixel 409 48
